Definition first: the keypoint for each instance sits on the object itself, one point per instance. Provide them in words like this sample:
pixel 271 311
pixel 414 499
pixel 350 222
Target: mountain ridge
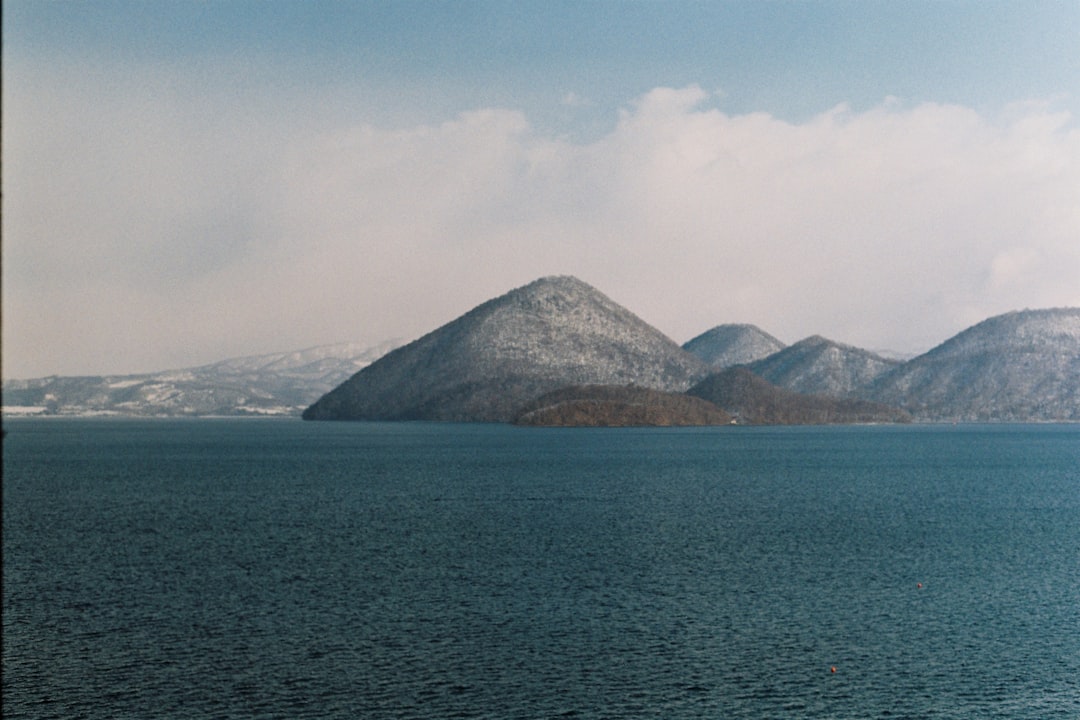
pixel 556 332
pixel 1019 366
pixel 819 366
pixel 753 400
pixel 272 384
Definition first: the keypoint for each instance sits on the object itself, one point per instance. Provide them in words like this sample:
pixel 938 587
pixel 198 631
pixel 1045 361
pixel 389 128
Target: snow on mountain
pixel 557 332
pixel 274 384
pixel 1021 366
pixel 820 366
pixel 488 363
pixel 728 345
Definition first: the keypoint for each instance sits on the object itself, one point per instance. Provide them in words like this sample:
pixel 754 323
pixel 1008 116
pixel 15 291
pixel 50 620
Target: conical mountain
pixel 820 366
pixel 728 345
pixel 489 363
pixel 1022 366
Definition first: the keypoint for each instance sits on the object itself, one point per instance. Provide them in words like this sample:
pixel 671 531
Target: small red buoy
pixel 918 585
pixel 832 669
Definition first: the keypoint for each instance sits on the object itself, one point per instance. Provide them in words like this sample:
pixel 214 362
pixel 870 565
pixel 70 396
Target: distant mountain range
pixel 559 352
pixel 275 384
pixel 561 336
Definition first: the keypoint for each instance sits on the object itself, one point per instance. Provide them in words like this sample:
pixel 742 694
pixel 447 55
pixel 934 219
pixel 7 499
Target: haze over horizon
pixel 185 182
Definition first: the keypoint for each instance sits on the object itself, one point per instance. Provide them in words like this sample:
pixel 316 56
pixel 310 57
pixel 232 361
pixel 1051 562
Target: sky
pixel 186 181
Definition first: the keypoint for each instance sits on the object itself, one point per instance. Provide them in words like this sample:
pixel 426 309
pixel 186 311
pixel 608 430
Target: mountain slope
pixel 619 406
pixel 1021 366
pixel 488 363
pixel 274 384
pixel 756 401
pixel 819 366
pixel 727 345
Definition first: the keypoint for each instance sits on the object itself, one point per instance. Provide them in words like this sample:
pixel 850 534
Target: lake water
pixel 280 569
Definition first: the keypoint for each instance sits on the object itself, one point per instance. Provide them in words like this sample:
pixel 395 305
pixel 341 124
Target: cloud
pixel 155 225
pixel 572 99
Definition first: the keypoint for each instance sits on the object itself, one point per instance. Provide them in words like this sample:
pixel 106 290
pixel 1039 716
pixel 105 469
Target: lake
pixel 249 568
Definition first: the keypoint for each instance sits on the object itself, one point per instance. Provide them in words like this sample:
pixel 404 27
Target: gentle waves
pixel 279 569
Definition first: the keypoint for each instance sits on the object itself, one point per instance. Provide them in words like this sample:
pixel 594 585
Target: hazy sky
pixel 189 181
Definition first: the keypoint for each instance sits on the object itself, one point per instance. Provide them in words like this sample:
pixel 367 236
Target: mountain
pixel 275 384
pixel 1021 366
pixel 755 401
pixel 823 367
pixel 489 363
pixel 558 332
pixel 727 345
pixel 619 406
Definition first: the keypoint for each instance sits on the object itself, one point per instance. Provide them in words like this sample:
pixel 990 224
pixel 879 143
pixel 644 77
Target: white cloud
pixel 146 231
pixel 572 99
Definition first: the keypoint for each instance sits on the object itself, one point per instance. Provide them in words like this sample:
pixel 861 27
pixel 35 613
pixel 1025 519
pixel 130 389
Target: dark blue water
pixel 279 569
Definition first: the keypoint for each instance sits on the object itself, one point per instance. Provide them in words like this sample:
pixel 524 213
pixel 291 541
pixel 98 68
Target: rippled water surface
pixel 280 569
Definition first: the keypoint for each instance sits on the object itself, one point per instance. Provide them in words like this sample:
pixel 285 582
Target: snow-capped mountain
pixel 487 364
pixel 1021 366
pixel 728 345
pixel 820 366
pixel 557 332
pixel 275 384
